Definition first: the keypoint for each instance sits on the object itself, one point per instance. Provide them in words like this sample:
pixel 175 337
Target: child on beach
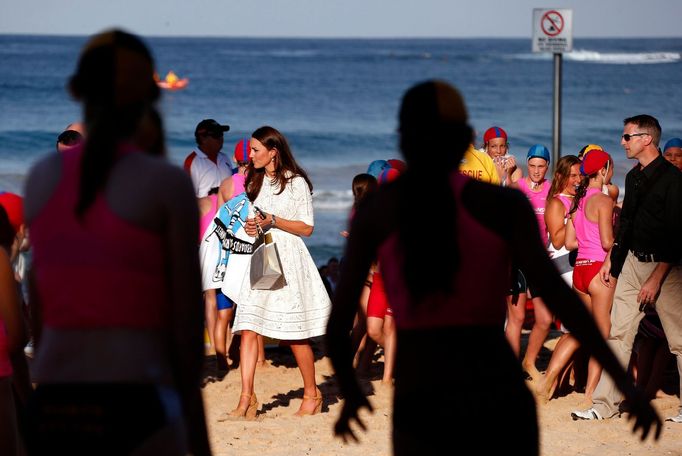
pixel 536 189
pixel 362 185
pixel 496 145
pixel 12 340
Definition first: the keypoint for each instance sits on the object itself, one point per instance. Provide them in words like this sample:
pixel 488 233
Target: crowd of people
pixel 132 260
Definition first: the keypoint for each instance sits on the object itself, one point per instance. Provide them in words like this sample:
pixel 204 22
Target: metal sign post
pixel 553 32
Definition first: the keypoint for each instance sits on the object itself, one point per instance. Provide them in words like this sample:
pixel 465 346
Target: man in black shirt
pixel 645 257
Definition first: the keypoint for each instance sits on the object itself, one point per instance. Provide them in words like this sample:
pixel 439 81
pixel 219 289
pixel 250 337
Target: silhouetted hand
pixel 352 404
pixel 644 415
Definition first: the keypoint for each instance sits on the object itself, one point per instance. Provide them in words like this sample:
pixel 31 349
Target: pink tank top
pixel 5 365
pixel 567 202
pixel 587 232
pixel 537 199
pixel 482 254
pixel 238 181
pixel 101 271
pixel 206 219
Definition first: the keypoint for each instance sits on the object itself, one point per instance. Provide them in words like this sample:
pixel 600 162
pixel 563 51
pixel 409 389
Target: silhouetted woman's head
pixel 114 81
pixel 434 133
pixel 115 70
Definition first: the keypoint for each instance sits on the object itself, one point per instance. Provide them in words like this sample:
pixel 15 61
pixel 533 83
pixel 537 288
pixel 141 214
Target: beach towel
pixel 226 249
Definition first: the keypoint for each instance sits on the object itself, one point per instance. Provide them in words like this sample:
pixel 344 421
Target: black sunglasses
pixel 627 137
pixel 212 134
pixel 70 138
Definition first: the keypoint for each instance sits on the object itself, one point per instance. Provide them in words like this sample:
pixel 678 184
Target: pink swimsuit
pixel 538 200
pixel 101 271
pixel 206 219
pixel 587 231
pixel 591 254
pixel 482 254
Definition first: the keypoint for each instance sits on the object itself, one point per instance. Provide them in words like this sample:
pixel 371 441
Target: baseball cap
pixel 241 150
pixel 14 206
pixel 587 148
pixel 674 142
pixel 210 125
pixel 494 132
pixel 593 161
pixel 538 151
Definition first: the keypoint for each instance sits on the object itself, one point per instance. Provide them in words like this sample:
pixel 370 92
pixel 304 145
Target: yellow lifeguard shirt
pixel 478 165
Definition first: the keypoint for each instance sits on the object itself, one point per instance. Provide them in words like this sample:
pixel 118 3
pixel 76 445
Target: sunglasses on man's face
pixel 627 137
pixel 212 134
pixel 70 138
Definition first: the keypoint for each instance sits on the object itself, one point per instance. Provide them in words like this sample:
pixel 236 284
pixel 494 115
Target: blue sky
pixel 332 18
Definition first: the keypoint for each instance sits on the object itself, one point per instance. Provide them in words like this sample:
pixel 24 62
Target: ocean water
pixel 336 100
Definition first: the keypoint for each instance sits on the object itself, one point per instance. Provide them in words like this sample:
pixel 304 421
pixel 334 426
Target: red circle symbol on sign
pixel 552 23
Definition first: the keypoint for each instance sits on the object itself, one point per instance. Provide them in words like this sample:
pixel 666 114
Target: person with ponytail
pixel 455 372
pixel 115 279
pixel 590 231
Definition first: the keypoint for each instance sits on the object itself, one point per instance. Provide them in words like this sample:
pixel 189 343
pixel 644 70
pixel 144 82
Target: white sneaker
pixel 28 349
pixel 675 419
pixel 589 414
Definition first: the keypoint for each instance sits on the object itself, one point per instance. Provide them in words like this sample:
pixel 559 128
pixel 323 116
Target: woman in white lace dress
pixel 299 309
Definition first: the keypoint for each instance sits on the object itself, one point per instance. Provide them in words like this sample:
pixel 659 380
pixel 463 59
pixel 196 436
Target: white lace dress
pixel 300 309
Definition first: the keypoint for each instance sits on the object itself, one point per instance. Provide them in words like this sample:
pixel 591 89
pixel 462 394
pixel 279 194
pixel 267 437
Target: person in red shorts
pixel 590 230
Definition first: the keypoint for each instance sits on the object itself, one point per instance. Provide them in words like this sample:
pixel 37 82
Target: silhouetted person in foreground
pixel 455 372
pixel 116 285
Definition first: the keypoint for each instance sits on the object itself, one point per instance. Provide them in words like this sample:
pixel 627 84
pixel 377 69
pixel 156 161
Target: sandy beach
pixel 277 432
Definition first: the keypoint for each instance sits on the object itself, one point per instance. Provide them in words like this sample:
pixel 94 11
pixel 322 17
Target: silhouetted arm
pixel 360 251
pixel 184 292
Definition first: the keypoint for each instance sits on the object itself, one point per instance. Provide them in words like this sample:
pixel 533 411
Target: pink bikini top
pixel 101 271
pixel 538 200
pixel 587 231
pixel 482 254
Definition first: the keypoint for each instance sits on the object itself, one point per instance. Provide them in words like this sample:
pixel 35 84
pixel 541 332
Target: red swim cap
pixel 241 150
pixel 494 132
pixel 398 165
pixel 14 206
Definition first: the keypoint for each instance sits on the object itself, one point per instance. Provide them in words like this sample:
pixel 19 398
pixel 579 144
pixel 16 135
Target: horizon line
pixel 312 37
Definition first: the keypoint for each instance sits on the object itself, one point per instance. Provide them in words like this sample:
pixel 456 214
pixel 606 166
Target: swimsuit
pixel 591 254
pixel 98 271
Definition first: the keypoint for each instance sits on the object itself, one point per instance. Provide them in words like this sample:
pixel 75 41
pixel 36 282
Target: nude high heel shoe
pixel 250 412
pixel 318 404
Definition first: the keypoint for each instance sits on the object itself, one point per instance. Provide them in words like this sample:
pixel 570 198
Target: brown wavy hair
pixel 562 173
pixel 286 167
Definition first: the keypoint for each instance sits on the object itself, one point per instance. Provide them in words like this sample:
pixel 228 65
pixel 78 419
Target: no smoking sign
pixel 552 30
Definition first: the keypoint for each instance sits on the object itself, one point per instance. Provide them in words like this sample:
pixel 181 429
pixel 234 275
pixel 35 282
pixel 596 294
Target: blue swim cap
pixel 376 167
pixel 538 151
pixel 675 142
